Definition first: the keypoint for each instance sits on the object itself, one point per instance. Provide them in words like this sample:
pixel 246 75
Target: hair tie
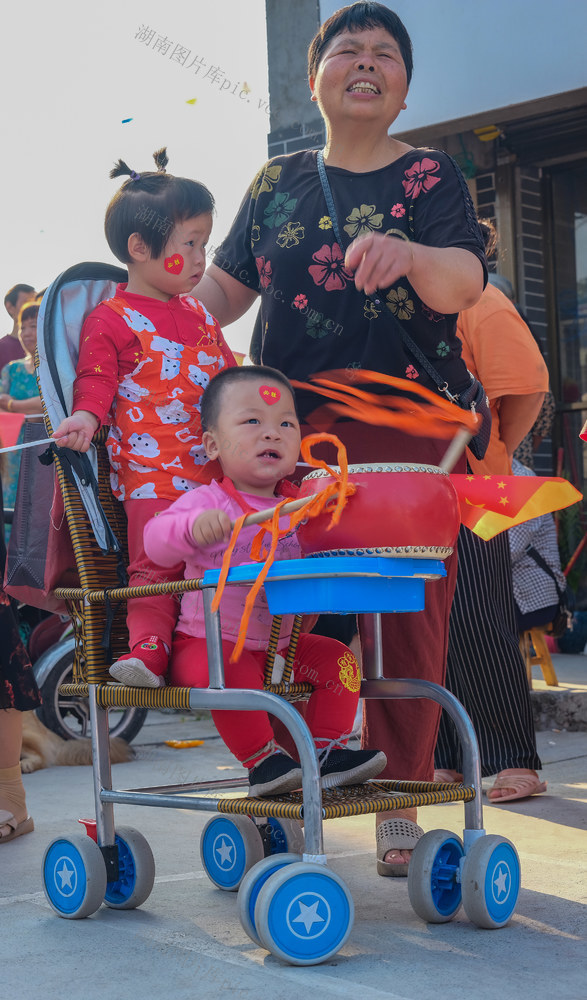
pixel 134 176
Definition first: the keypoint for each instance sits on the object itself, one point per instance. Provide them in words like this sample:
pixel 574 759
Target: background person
pixel 19 393
pixel 412 258
pixel 10 346
pixel 485 668
pixel 18 694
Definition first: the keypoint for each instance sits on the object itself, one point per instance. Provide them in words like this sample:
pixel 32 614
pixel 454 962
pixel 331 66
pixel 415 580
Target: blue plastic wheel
pixel 304 913
pixel 252 884
pixel 491 881
pixel 286 836
pixel 136 868
pixel 229 847
pixel 433 876
pixel 74 876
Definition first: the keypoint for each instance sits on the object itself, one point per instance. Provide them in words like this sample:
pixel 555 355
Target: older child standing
pixel 250 426
pixel 146 356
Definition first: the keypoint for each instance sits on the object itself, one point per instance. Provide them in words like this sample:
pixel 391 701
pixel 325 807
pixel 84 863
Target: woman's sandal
pixel 10 828
pixel 395 835
pixel 524 784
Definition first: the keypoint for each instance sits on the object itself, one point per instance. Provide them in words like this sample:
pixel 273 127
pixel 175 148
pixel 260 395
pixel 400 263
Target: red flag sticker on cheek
pixel 269 394
pixel 174 264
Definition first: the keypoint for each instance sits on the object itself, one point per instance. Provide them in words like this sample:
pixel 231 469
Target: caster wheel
pixel 285 836
pixel 435 893
pixel 490 881
pixel 304 913
pixel 74 876
pixel 229 847
pixel 136 867
pixel 251 886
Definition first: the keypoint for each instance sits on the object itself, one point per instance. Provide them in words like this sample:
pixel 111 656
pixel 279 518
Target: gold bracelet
pixel 9 403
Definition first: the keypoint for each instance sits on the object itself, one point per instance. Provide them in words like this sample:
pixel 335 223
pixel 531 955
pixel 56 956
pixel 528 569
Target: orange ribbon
pixel 340 489
pixel 434 417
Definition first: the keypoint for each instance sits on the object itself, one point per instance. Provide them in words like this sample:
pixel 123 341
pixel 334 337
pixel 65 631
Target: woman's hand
pixel 211 527
pixel 378 261
pixel 447 279
pixel 76 432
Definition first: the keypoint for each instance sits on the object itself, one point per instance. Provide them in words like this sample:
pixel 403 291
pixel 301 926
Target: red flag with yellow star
pixel 490 504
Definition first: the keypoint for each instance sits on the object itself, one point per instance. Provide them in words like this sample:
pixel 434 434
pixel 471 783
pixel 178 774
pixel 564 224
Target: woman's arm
pixel 517 415
pixel 447 279
pixel 12 405
pixel 224 296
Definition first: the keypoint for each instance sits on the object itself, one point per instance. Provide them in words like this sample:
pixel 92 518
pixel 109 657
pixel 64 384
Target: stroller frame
pixel 443 870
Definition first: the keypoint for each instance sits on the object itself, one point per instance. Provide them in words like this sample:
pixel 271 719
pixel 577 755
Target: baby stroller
pixel 264 854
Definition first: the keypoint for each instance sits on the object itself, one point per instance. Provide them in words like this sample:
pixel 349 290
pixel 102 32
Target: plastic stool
pixel 534 639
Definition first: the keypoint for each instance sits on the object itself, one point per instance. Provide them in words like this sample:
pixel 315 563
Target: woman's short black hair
pixel 150 204
pixel 211 400
pixel 360 17
pixel 30 310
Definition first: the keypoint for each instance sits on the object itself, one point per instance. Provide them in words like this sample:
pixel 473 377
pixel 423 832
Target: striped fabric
pixel 485 669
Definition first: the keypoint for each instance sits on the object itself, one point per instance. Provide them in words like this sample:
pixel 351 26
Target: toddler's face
pixel 181 265
pixel 257 437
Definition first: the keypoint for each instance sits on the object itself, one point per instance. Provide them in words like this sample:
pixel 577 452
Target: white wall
pixel 472 56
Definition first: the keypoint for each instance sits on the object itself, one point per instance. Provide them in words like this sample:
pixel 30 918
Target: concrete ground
pixel 186 940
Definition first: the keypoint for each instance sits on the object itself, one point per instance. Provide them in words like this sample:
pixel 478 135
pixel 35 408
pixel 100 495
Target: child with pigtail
pixel 146 356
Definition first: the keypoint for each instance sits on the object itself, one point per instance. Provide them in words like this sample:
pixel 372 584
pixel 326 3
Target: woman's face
pixel 361 76
pixel 28 335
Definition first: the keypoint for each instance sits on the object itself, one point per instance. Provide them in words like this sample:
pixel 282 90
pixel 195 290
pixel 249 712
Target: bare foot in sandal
pixel 515 783
pixel 397 826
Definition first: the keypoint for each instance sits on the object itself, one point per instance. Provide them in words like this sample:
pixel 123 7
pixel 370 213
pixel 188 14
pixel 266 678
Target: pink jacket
pixel 169 540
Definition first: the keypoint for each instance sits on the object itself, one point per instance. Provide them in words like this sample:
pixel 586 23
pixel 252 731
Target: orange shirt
pixel 499 349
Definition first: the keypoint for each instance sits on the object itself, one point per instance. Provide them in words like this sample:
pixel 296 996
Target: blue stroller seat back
pixel 65 306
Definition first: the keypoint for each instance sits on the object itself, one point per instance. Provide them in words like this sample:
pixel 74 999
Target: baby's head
pixel 251 426
pixel 159 225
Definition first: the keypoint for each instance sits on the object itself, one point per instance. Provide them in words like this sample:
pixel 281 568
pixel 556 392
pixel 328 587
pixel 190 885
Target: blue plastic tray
pixel 340 584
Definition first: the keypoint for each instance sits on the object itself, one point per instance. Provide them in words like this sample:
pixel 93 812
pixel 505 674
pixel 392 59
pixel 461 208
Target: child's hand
pixel 76 432
pixel 211 527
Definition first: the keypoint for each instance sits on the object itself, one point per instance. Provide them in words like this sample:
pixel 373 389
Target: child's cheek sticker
pixel 269 394
pixel 174 264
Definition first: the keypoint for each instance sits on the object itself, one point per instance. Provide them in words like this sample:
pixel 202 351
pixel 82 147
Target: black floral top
pixel 312 317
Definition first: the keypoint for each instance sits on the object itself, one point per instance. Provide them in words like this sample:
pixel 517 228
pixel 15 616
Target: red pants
pixel 147 616
pixel 415 643
pixel 325 663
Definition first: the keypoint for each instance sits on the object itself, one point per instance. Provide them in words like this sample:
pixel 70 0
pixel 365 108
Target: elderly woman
pixel 409 257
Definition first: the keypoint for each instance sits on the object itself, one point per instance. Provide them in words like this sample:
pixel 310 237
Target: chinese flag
pixel 490 504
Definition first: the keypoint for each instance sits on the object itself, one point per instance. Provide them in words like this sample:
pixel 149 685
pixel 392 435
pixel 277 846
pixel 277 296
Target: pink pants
pixel 325 663
pixel 147 616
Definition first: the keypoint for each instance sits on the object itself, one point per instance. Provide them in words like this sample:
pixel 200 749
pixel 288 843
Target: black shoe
pixel 275 775
pixel 349 767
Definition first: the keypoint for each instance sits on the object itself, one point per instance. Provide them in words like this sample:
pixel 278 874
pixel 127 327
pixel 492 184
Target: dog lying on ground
pixel 42 748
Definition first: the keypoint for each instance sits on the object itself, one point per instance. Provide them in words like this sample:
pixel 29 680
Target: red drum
pixel 397 510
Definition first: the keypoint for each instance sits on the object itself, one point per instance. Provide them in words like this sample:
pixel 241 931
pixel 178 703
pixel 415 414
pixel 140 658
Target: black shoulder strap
pixel 535 555
pixel 409 343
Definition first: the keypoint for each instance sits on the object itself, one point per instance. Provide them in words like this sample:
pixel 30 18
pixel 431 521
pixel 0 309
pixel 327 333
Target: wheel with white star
pixel 252 884
pixel 229 847
pixel 136 871
pixel 285 836
pixel 74 876
pixel 490 881
pixel 304 913
pixel 433 876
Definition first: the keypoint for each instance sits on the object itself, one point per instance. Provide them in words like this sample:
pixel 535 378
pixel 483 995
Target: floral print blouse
pixel 312 318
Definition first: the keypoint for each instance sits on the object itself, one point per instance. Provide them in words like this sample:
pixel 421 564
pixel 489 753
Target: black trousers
pixel 485 669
